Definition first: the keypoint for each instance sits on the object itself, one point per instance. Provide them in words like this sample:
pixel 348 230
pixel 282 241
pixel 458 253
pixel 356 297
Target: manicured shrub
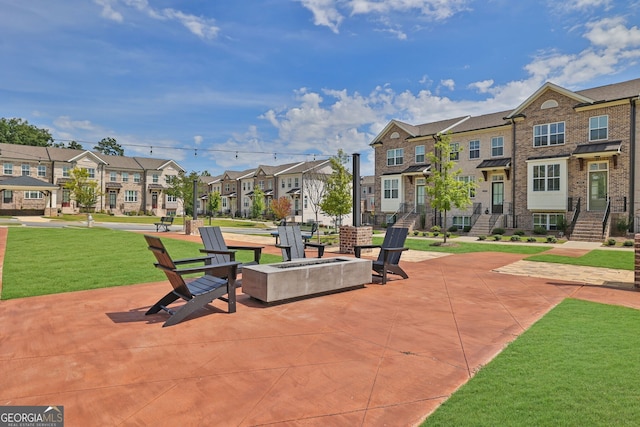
pixel 497 237
pixel 435 229
pixel 453 228
pixel 415 232
pixel 516 238
pixel 482 237
pixel 610 242
pixel 532 239
pixel 551 239
pixel 628 243
pixel 425 234
pixel 467 228
pixel 539 230
pixel 519 233
pixel 436 234
pixel 498 230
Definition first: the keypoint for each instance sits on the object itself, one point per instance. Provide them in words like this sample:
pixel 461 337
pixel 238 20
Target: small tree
pixel 181 187
pixel 444 188
pixel 83 189
pixel 337 200
pixel 258 203
pixel 215 200
pixel 315 187
pixel 281 207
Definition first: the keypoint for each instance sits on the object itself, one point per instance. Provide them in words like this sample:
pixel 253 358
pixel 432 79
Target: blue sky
pixel 229 85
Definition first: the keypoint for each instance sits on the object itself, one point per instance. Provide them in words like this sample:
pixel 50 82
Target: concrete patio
pixel 382 355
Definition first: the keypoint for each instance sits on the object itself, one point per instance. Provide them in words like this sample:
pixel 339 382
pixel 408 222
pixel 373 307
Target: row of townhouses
pixel 560 158
pixel 33 179
pixel 300 182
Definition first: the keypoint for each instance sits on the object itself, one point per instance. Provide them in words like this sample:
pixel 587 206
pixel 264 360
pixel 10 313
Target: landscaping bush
pixel 498 230
pixel 516 238
pixel 628 243
pixel 435 229
pixel 519 233
pixel 467 228
pixel 551 239
pixel 482 237
pixel 425 234
pixel 497 237
pixel 610 242
pixel 415 232
pixel 532 239
pixel 539 230
pixel 453 228
pixel 436 234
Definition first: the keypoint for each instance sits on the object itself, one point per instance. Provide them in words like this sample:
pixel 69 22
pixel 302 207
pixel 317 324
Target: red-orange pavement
pixel 382 355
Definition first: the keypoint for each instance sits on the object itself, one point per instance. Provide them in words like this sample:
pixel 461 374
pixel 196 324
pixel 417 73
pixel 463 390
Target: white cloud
pixel 204 28
pixel 581 5
pixel 324 13
pixel 198 139
pixel 448 83
pixel 482 86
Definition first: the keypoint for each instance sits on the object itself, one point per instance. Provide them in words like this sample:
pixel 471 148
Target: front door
pixel 112 199
pixel 598 186
pixel 154 200
pixel 497 197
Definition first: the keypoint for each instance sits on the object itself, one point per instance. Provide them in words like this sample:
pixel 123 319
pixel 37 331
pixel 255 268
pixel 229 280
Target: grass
pixel 145 219
pixel 433 245
pixel 574 367
pixel 41 261
pixel 620 260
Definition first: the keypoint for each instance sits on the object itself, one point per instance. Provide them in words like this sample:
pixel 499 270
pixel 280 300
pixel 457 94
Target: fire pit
pixel 304 277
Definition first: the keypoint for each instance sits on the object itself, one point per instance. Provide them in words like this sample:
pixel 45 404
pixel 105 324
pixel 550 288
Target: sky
pixel 230 85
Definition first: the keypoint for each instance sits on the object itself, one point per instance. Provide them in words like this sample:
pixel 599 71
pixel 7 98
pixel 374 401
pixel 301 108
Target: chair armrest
pixel 217 252
pixel 287 249
pixel 204 268
pixel 357 249
pixel 257 251
pixel 319 246
pixel 191 260
pixel 388 251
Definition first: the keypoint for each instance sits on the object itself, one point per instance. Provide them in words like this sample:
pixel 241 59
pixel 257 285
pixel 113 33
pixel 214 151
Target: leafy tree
pixel 19 131
pixel 337 200
pixel 84 190
pixel 181 187
pixel 72 144
pixel 110 147
pixel 315 187
pixel 444 188
pixel 281 207
pixel 215 200
pixel 258 203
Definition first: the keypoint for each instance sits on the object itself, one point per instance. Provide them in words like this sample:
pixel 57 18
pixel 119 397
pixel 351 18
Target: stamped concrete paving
pixel 382 355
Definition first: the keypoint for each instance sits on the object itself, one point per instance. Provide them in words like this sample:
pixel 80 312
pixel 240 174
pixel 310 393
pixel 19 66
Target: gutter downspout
pixel 514 222
pixel 632 157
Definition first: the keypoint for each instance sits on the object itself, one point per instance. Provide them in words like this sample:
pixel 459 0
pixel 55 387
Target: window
pixel 395 157
pixel 546 177
pixel 282 183
pixel 125 177
pixel 288 182
pixel 474 149
pixel 391 189
pixel 169 179
pixel 306 202
pixel 296 182
pixel 261 184
pixel 598 128
pixel 136 177
pixel 245 202
pixel 65 172
pixel 155 178
pixel 467 179
pixel 497 146
pixel 224 202
pixel 8 168
pixel 130 196
pixel 26 170
pixel 30 195
pixel 454 149
pixel 420 154
pixel 549 221
pixel 548 134
pixel 174 199
pixel 462 221
pixel 270 184
pixel 92 172
pixel 42 170
pixel 113 177
pixel 7 196
pixel 227 187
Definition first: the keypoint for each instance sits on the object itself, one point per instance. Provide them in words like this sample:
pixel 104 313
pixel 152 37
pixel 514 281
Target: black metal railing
pixel 605 218
pixel 574 220
pixel 477 211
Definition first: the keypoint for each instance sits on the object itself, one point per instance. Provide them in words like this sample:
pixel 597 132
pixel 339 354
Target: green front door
pixel 598 186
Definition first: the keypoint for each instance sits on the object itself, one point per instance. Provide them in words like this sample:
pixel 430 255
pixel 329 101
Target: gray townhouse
pixel 561 160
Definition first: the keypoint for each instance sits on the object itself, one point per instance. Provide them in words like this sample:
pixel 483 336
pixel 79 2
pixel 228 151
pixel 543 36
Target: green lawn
pixel 620 260
pixel 40 261
pixel 574 367
pixel 456 247
pixel 144 219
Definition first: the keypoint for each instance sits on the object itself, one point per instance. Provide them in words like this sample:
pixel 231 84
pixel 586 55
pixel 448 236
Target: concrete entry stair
pixel 588 228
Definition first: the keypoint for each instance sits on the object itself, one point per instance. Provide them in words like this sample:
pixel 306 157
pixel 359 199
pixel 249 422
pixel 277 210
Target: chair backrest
pixel 212 240
pixel 394 238
pixel 165 262
pixel 290 235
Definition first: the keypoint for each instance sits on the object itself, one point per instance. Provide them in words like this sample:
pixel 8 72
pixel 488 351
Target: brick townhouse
pixel 560 157
pixel 33 178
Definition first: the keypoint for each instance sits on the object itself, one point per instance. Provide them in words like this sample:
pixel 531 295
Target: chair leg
pixel 164 302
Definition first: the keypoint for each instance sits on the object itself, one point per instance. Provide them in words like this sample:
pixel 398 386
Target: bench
pixel 164 223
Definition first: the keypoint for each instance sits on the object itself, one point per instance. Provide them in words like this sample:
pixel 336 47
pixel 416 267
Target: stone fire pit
pixel 304 277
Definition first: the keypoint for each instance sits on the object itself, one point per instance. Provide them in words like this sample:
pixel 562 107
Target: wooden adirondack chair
pixel 218 251
pixel 293 245
pixel 390 252
pixel 196 292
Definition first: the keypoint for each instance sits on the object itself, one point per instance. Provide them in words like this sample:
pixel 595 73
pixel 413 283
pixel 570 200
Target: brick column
pixel 191 227
pixel 636 246
pixel 352 236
